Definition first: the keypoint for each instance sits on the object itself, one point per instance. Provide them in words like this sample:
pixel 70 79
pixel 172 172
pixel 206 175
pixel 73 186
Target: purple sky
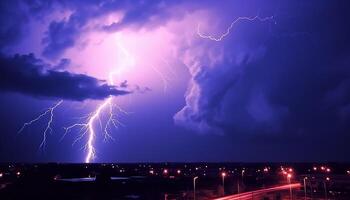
pixel 175 80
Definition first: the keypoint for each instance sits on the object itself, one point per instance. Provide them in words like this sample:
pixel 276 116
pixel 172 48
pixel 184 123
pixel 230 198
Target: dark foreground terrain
pixel 175 181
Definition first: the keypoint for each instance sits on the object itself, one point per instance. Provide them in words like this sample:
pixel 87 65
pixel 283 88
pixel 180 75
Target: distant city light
pixel 56 177
pixel 223 174
pixel 289 175
pixel 1 175
pixel 18 173
pixel 178 171
pixel 151 171
pixel 328 179
pixel 165 171
pixel 315 168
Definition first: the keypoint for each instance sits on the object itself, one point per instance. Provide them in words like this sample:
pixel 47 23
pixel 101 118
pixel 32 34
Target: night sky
pixel 273 88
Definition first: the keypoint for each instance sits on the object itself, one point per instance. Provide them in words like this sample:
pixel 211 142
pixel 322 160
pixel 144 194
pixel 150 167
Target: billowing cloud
pixel 270 78
pixel 29 75
pixel 63 34
pixel 214 99
pixel 263 77
pixel 60 36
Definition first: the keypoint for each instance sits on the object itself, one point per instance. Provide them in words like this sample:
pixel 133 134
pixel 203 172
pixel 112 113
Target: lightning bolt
pixel 165 79
pixel 88 126
pixel 48 128
pixel 228 30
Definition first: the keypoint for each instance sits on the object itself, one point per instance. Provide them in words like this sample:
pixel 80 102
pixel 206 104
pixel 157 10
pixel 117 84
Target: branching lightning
pixel 88 127
pixel 228 30
pixel 48 128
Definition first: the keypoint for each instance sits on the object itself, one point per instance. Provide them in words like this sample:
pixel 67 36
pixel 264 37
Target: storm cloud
pixel 63 34
pixel 283 77
pixel 31 76
pixel 276 87
pixel 11 32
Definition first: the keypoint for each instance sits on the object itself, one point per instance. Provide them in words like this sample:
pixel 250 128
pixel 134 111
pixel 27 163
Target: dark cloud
pixel 272 89
pixel 60 35
pixel 63 34
pixel 13 22
pixel 272 81
pixel 63 64
pixel 218 97
pixel 124 84
pixel 29 75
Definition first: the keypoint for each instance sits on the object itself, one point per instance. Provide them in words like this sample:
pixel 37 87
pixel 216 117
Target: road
pixel 250 195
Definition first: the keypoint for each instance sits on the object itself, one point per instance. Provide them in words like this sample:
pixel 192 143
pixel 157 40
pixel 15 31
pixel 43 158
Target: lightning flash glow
pixel 165 79
pixel 88 127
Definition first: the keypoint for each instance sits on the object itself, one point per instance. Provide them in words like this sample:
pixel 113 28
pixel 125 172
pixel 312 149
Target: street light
pixel 242 175
pixel 305 187
pixel 194 187
pixel 223 174
pixel 289 176
pixel 325 187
